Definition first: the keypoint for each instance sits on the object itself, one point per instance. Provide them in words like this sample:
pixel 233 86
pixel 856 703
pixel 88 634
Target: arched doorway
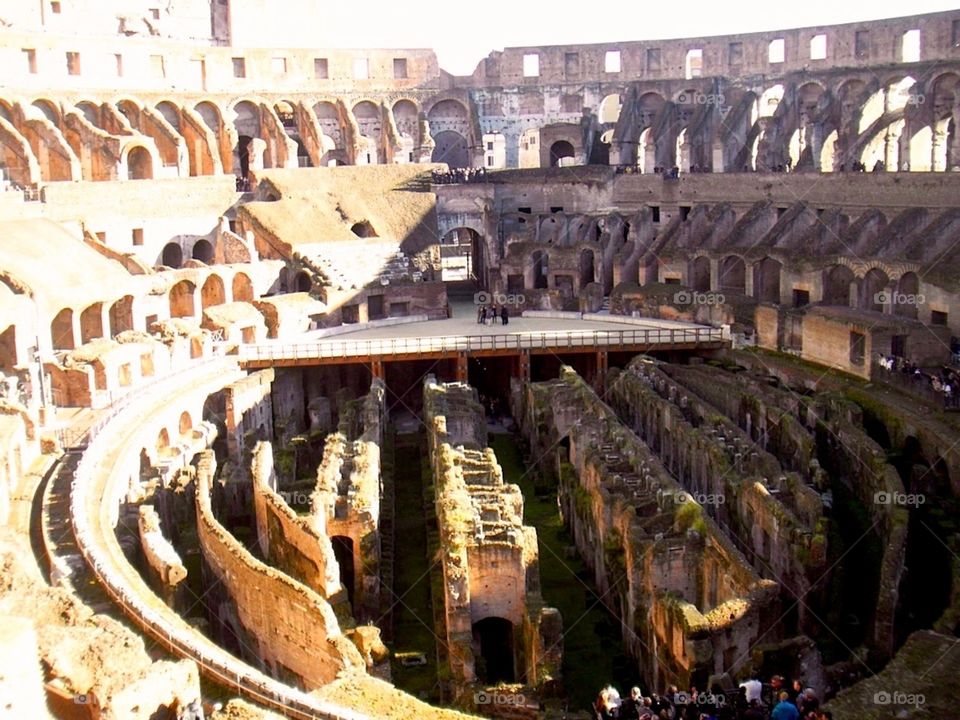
pixel 698 274
pixel 203 251
pixel 733 275
pixel 343 552
pixel 540 265
pixel 873 290
pixel 493 651
pixel 242 288
pixel 462 256
pixel 836 285
pixel 172 256
pixel 766 280
pixel 562 154
pixel 906 298
pixel 212 292
pixel 182 300
pixel 61 330
pixel 450 147
pixel 121 315
pixel 91 323
pixel 139 164
pixel 586 268
pixel 302 282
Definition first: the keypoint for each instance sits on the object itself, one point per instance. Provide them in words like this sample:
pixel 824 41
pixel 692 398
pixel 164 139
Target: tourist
pixel 807 702
pixel 631 707
pixel 504 315
pixel 494 313
pixel 481 314
pixel 785 710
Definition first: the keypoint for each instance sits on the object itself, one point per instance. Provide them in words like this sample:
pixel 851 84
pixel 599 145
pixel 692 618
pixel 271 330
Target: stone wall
pixel 690 605
pixel 164 567
pixel 248 412
pixel 293 631
pixel 490 558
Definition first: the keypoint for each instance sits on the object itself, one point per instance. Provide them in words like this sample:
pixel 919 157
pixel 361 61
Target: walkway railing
pixel 555 340
pixel 92 475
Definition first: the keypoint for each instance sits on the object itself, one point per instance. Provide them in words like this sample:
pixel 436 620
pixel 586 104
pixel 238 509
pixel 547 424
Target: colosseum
pixel 610 380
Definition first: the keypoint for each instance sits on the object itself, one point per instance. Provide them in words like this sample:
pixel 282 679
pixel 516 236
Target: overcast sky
pixel 463 33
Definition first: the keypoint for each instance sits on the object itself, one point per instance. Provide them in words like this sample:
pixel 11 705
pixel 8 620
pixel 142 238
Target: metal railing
pixel 555 340
pixel 184 641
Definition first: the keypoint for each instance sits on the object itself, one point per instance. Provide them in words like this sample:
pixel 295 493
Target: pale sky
pixel 463 33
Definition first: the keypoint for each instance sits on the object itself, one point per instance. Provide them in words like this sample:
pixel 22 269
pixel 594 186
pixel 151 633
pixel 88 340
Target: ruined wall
pixel 294 630
pixel 295 545
pixel 248 412
pixel 346 498
pixel 690 605
pixel 164 566
pixel 490 559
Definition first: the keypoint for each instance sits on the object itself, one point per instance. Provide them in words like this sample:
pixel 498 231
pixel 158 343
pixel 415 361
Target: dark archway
pixel 698 274
pixel 906 299
pixel 343 552
pixel 363 229
pixel 139 164
pixel 836 285
pixel 203 251
pixel 874 290
pixel 493 637
pixel 733 275
pixel 303 283
pixel 172 256
pixel 540 264
pixel 587 275
pixel 766 280
pixel 243 154
pixel 560 150
pixel 450 147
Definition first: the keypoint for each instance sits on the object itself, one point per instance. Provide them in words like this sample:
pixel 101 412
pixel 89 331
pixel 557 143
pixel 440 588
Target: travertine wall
pixel 164 566
pixel 294 629
pixel 248 412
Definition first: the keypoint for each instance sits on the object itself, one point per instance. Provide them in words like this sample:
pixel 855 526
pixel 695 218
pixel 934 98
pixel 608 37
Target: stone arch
pixel 185 426
pixel 130 109
pixel 89 111
pixel 769 101
pixel 369 123
pixel 766 280
pixel 698 274
pixel 170 113
pixel 49 109
pixel 247 123
pixel 172 255
pixel 162 441
pixel 608 112
pixel 837 280
pixel 213 292
pixel 906 300
pixel 494 643
pixel 91 323
pixel 302 281
pixel 210 114
pixel 406 116
pixel 343 551
pixel 560 151
pixel 182 299
pixel 203 251
pixel 139 163
pixel 873 288
pixel 732 276
pixel 121 315
pixel 242 288
pixel 450 147
pixel 61 330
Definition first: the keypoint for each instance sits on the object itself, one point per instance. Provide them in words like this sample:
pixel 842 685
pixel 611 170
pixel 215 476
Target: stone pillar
pixel 377 369
pixel 462 367
pixel 512 148
pixel 524 366
pixel 939 140
pixel 603 363
pixel 891 149
pixel 714 275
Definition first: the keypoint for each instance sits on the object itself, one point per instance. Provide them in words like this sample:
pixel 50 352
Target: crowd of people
pixel 753 700
pixel 454 176
pixel 943 384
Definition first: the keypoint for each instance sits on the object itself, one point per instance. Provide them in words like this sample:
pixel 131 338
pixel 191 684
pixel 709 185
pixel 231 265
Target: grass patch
pixel 592 656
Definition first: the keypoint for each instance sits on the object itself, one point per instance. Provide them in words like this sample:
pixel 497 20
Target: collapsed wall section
pixel 490 559
pixel 691 606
